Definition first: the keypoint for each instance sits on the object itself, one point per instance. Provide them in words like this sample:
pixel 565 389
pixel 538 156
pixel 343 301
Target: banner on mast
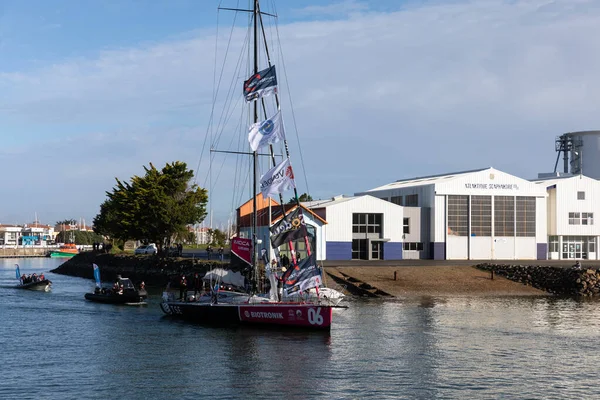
pixel 304 276
pixel 278 179
pixel 242 248
pixel 291 227
pixel 266 132
pixel 261 84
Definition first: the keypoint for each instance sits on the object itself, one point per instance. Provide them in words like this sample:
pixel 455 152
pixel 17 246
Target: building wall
pixel 339 218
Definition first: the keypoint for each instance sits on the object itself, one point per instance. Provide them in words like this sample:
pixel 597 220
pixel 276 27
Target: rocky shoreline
pixel 557 280
pixel 153 270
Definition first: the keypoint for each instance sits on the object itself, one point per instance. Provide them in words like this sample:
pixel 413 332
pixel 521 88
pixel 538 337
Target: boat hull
pixel 138 297
pixel 61 254
pixel 292 315
pixel 42 286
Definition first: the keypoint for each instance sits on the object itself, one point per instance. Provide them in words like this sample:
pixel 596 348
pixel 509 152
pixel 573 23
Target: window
pixel 411 246
pixel 553 244
pixel 587 218
pixel 412 200
pixel 580 195
pixel 367 223
pixel 396 200
pixel 525 216
pixel 504 216
pixel 591 244
pixel 481 216
pixel 574 218
pixel 406 223
pixel 458 215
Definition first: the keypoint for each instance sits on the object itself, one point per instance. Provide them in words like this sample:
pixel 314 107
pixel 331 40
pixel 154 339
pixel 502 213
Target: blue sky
pixel 382 90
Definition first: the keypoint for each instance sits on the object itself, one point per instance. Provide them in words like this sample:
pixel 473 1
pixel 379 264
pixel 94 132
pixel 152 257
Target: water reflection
pixel 428 347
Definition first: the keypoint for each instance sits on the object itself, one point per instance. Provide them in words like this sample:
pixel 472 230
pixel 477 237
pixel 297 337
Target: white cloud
pixel 378 96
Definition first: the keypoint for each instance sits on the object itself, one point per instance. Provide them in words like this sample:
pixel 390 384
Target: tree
pixel 152 208
pixel 66 222
pixel 303 197
pixel 217 237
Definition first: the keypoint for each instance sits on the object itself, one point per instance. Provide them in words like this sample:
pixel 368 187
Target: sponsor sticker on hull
pixel 293 315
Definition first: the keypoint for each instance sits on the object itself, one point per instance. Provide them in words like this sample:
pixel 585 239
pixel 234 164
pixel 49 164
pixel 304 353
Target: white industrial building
pixel 360 227
pixel 482 214
pixel 572 203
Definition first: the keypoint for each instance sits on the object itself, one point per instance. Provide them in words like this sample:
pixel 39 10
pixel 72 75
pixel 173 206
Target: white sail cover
pixel 278 179
pixel 266 132
pixel 224 276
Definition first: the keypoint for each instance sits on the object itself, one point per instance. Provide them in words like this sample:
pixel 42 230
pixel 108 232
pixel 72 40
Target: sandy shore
pixel 435 281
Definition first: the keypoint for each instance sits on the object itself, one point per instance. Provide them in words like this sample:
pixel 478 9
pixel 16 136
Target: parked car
pixel 146 249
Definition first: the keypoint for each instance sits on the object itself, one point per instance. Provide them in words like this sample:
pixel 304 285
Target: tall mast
pixel 255 159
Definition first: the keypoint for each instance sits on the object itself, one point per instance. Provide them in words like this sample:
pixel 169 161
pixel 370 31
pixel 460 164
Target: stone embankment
pixel 557 280
pixel 153 270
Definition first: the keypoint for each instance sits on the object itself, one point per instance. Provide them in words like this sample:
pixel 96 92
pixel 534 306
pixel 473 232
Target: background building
pixel 572 203
pixel 482 214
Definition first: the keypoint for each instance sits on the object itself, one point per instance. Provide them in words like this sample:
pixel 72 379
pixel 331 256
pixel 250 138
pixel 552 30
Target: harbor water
pixel 57 345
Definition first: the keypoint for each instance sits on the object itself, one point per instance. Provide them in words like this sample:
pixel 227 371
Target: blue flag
pixel 97 275
pixel 18 272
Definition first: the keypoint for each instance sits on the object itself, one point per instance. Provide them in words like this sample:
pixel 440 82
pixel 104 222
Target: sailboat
pixel 297 309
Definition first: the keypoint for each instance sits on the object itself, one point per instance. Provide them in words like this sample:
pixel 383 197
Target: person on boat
pixel 221 253
pixel 577 265
pixel 115 287
pixel 142 286
pixel 180 249
pixel 208 251
pixel 42 277
pixel 182 287
pixel 285 261
pixel 197 284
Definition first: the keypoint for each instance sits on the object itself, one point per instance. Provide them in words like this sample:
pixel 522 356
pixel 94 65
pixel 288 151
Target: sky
pixel 375 91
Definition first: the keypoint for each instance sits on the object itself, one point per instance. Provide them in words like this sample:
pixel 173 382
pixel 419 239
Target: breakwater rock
pixel 557 280
pixel 153 270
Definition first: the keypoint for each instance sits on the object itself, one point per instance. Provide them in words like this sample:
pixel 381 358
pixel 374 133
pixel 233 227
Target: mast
pixel 255 160
pixel 287 154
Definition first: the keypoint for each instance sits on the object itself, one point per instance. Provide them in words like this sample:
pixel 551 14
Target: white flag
pixel 266 132
pixel 278 179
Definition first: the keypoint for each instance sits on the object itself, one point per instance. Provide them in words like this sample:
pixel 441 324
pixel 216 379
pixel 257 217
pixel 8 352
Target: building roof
pixel 327 202
pixel 425 180
pixel 276 214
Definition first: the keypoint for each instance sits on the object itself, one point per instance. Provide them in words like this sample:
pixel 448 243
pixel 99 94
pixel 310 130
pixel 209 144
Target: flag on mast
pixel 261 84
pixel 278 179
pixel 266 132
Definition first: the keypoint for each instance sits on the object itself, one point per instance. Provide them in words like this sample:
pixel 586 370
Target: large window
pixel 366 223
pixel 504 216
pixel 587 218
pixel 412 200
pixel 481 216
pixel 458 215
pixel 525 216
pixel 397 200
pixel 406 225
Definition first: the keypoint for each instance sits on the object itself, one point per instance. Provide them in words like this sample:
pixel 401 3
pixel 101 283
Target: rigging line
pixel 238 127
pixel 292 108
pixel 230 93
pixel 215 91
pixel 238 168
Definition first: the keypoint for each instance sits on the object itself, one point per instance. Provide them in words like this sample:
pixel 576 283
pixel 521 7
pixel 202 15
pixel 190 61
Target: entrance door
pixel 376 250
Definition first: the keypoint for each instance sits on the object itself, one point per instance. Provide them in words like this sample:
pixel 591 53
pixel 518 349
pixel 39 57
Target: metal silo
pixel 581 153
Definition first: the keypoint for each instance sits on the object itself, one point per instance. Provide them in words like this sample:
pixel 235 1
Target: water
pixel 56 345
